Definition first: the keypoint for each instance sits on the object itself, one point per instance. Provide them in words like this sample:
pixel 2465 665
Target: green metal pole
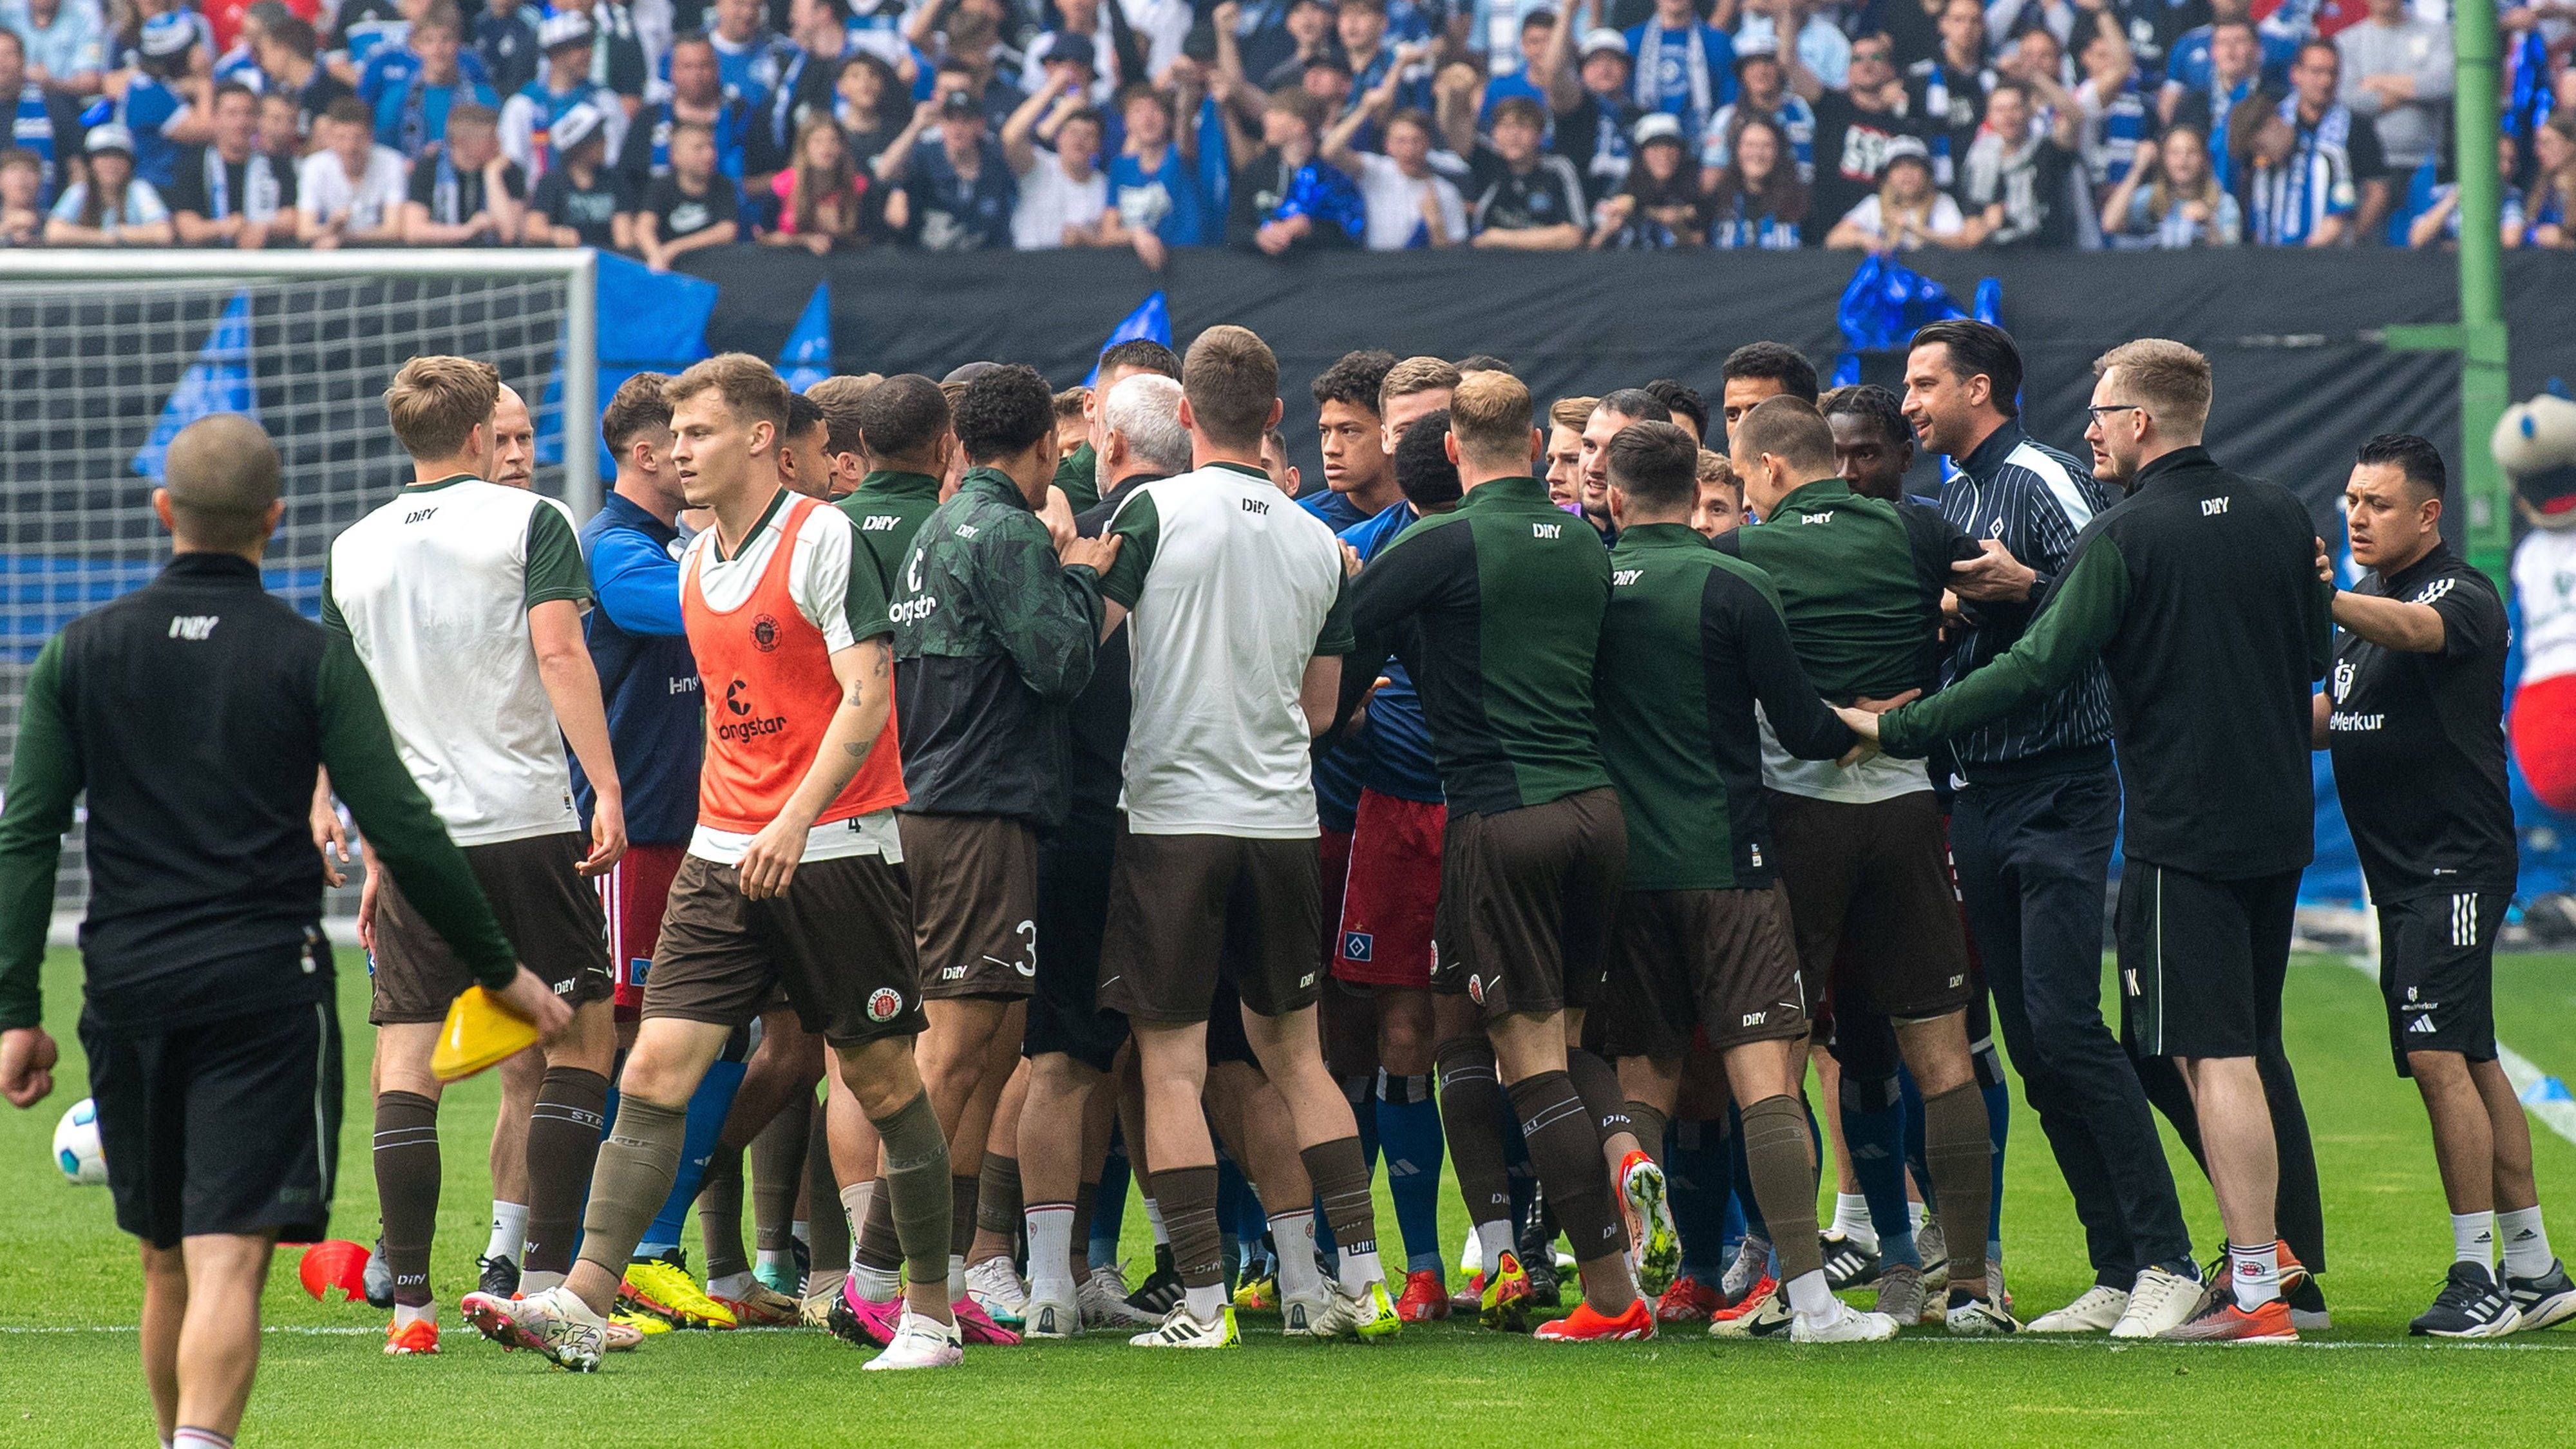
pixel 2485 390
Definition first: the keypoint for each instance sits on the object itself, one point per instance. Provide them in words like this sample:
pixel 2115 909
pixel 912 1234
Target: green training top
pixel 887 509
pixel 1861 581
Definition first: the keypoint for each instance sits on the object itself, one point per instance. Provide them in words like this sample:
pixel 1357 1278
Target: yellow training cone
pixel 480 1033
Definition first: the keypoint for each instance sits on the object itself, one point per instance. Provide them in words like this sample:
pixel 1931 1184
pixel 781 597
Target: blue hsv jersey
pixel 646 673
pixel 1397 738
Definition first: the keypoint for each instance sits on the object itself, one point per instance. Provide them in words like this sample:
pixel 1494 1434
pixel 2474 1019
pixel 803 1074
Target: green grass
pixel 65 1271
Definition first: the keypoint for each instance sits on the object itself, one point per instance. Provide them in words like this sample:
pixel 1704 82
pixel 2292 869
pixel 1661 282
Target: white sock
pixel 1359 1270
pixel 802 1230
pixel 1299 1275
pixel 877 1285
pixel 736 1286
pixel 2526 1242
pixel 774 1260
pixel 509 1231
pixel 1493 1240
pixel 531 1283
pixel 2473 1239
pixel 2257 1272
pixel 199 1439
pixel 1154 1220
pixel 1051 1252
pixel 1915 1213
pixel 405 1315
pixel 1851 1219
pixel 956 1277
pixel 1810 1298
pixel 1207 1305
pixel 854 1206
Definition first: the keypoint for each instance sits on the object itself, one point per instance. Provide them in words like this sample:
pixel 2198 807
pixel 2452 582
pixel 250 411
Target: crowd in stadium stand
pixel 660 127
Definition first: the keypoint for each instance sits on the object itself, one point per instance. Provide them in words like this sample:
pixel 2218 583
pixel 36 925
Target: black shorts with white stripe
pixel 2203 961
pixel 2437 972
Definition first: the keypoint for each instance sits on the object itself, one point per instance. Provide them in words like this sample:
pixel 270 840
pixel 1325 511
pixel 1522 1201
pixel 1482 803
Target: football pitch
pixel 69 1286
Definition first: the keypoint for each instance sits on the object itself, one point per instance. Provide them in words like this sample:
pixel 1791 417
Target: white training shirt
pixel 818 579
pixel 1233 589
pixel 1050 201
pixel 1395 203
pixel 434 589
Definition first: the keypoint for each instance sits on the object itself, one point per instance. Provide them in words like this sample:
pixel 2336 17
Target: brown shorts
pixel 839 942
pixel 1526 899
pixel 551 915
pixel 1681 961
pixel 1878 876
pixel 975 892
pixel 1170 900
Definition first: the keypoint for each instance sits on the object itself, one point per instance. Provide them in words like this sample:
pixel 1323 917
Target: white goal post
pixel 105 353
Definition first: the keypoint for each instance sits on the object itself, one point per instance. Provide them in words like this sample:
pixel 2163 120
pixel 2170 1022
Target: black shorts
pixel 230 1126
pixel 551 915
pixel 839 942
pixel 2437 973
pixel 974 881
pixel 2203 961
pixel 1526 900
pixel 1173 900
pixel 1073 911
pixel 1712 962
pixel 1874 878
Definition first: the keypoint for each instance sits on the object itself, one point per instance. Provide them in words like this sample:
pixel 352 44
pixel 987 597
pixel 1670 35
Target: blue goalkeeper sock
pixel 708 1107
pixel 1874 1134
pixel 1697 1178
pixel 1998 1127
pixel 1407 1118
pixel 1235 1206
pixel 1109 1206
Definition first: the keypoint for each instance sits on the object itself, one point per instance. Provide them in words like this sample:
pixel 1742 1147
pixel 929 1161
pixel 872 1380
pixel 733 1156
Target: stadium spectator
pixel 504 34
pixel 31 116
pixel 157 92
pixel 2440 222
pixel 280 134
pixel 1519 197
pixel 1758 199
pixel 870 105
pixel 1409 203
pixel 1286 197
pixel 957 191
pixel 2397 76
pixel 1855 125
pixel 796 80
pixel 695 95
pixel 1680 65
pixel 1063 194
pixel 1156 201
pixel 22 192
pixel 465 192
pixel 2322 119
pixel 2553 188
pixel 1305 34
pixel 1080 40
pixel 1593 103
pixel 1659 206
pixel 349 192
pixel 2117 131
pixel 411 114
pixel 2019 172
pixel 113 207
pixel 823 201
pixel 580 202
pixel 1762 89
pixel 2296 187
pixel 623 57
pixel 1525 70
pixel 65 42
pixel 1948 88
pixel 2207 96
pixel 1361 26
pixel 740 34
pixel 1813 52
pixel 1906 211
pixel 528 116
pixel 287 58
pixel 695 206
pixel 2172 199
pixel 395 57
pixel 362 31
pixel 2194 54
pixel 229 193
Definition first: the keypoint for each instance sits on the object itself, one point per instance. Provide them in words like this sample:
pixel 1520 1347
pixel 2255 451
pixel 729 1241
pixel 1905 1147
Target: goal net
pixel 103 358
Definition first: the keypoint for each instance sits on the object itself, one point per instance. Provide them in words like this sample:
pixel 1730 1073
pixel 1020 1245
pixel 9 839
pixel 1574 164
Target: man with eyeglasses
pixel 1855 125
pixel 2199 598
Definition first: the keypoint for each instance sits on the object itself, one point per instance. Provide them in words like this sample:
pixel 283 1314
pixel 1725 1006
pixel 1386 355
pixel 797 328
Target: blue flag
pixel 219 381
pixel 807 357
pixel 648 322
pixel 1151 320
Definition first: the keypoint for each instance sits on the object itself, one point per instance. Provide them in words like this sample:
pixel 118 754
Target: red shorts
pixel 633 894
pixel 1393 893
pixel 1334 849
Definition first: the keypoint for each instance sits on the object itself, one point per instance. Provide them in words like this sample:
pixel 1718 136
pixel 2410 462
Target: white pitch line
pixel 2558 1116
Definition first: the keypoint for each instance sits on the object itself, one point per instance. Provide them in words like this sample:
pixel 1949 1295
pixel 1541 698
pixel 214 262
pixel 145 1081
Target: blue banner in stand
pixel 219 381
pixel 1152 321
pixel 807 357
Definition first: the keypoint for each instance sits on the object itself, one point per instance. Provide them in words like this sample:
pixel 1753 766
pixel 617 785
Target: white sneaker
pixel 1322 1318
pixel 1752 1260
pixel 553 1323
pixel 2096 1311
pixel 1842 1324
pixel 1180 1330
pixel 1977 1318
pixel 995 1285
pixel 2158 1301
pixel 1050 1319
pixel 920 1343
pixel 1103 1300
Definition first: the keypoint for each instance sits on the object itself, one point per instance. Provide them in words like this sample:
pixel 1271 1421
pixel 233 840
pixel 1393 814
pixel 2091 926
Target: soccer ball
pixel 76 1146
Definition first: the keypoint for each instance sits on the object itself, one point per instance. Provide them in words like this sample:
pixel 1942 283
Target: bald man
pixel 208 1019
pixel 514 441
